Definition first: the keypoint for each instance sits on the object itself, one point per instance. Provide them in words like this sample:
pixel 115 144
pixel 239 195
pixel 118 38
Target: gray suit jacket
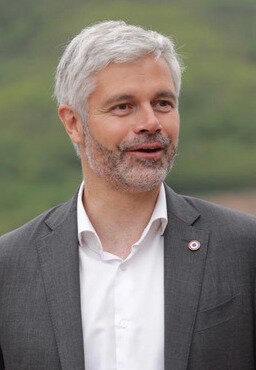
pixel 209 293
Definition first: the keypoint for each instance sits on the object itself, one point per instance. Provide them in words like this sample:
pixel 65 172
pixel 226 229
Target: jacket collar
pixel 177 206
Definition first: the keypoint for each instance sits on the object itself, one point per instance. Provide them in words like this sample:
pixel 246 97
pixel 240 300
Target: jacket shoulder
pixel 232 233
pixel 218 213
pixel 208 215
pixel 25 234
pixel 226 222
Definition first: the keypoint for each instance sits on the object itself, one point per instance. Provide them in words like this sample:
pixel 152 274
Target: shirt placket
pixel 123 324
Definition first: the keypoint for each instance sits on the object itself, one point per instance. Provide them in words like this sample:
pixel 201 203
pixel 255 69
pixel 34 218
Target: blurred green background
pixel 216 39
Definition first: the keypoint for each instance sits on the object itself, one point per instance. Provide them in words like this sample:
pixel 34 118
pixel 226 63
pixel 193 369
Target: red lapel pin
pixel 194 245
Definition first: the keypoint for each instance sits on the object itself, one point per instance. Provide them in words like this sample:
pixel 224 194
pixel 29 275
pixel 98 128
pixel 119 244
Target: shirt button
pixel 122 267
pixel 123 324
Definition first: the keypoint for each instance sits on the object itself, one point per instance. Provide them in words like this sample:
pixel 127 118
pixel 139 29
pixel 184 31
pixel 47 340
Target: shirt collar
pixel 160 210
pixel 84 225
pixel 83 222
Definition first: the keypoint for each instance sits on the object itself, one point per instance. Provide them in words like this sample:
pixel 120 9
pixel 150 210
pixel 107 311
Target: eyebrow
pixel 121 97
pixel 118 98
pixel 166 94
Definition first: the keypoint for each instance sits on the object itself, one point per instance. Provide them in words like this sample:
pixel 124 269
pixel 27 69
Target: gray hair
pixel 97 46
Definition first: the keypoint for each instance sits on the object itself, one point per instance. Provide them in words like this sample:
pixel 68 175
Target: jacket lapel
pixel 183 274
pixel 59 260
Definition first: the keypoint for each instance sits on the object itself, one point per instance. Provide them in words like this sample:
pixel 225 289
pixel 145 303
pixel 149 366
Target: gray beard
pixel 136 175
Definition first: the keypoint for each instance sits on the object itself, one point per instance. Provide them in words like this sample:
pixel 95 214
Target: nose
pixel 147 121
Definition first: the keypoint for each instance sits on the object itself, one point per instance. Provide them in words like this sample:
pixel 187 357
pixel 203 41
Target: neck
pixel 118 216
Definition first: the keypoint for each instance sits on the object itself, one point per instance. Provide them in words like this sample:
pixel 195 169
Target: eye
pixel 163 105
pixel 122 106
pixel 122 109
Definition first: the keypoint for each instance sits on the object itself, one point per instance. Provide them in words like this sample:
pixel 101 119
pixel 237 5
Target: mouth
pixel 153 150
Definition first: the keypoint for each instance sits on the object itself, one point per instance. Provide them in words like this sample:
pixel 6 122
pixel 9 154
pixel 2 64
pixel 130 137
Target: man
pixel 127 274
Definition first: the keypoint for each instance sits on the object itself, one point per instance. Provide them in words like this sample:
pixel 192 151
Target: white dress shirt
pixel 122 301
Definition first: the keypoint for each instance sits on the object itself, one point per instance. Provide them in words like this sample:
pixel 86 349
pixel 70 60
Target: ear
pixel 72 123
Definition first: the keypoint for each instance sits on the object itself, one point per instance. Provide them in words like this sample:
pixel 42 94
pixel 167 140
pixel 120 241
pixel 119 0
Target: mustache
pixel 145 138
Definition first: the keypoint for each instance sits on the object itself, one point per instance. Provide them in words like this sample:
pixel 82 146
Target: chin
pixel 144 188
pixel 139 183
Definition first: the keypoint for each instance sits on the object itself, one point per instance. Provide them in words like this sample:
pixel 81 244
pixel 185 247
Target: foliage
pixel 38 167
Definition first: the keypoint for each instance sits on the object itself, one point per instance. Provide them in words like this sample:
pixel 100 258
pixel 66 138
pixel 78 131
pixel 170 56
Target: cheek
pixel 108 131
pixel 176 130
pixel 171 127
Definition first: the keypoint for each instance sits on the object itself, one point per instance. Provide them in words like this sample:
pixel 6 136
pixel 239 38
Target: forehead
pixel 143 76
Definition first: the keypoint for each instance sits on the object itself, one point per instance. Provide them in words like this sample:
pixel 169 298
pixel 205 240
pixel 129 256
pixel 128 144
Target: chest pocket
pixel 218 315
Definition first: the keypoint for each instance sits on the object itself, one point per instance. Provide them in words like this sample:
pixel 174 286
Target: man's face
pixel 132 128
